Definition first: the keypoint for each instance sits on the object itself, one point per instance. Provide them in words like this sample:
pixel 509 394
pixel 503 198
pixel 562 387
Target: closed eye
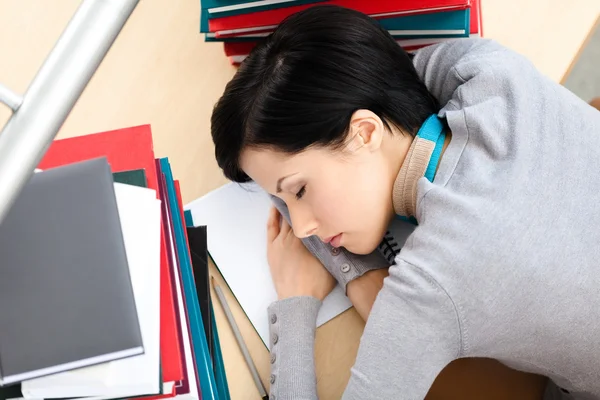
pixel 301 192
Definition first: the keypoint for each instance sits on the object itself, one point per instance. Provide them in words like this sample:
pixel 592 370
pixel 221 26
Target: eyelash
pixel 301 192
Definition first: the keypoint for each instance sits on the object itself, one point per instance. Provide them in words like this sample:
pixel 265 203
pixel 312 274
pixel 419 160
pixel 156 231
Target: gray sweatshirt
pixel 504 262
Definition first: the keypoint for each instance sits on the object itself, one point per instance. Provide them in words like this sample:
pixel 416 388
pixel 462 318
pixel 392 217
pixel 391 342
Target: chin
pixel 367 241
pixel 364 246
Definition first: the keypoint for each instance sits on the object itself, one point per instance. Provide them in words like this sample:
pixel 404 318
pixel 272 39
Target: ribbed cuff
pixel 292 324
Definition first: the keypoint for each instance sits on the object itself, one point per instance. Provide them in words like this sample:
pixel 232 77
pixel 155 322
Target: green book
pixel 136 177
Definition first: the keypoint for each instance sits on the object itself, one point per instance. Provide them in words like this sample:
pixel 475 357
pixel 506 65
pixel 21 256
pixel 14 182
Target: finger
pixel 285 228
pixel 273 224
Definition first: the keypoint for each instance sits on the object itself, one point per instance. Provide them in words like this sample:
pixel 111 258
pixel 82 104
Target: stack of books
pixel 241 24
pixel 104 288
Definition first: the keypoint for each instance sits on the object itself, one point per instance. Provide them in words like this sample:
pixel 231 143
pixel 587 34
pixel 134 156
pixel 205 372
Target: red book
pixel 266 20
pixel 255 33
pixel 237 51
pixel 476 19
pixel 129 149
pixel 238 48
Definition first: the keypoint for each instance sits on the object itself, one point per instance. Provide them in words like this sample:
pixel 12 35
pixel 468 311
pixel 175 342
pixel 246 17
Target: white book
pixel 236 219
pixel 140 216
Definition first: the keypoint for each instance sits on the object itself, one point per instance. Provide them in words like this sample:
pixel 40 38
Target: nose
pixel 303 220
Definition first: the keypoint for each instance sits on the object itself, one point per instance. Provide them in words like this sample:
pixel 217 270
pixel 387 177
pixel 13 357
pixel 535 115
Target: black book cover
pixel 199 254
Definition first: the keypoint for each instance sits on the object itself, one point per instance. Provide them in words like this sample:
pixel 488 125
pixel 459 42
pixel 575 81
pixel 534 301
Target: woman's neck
pixel 399 145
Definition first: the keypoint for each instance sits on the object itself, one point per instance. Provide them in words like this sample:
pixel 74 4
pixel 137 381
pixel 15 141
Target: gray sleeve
pixel 292 330
pixel 412 333
pixel 343 265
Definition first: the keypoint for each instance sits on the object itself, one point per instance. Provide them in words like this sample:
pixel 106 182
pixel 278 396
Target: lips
pixel 335 241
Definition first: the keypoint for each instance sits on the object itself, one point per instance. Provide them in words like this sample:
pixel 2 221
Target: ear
pixel 366 131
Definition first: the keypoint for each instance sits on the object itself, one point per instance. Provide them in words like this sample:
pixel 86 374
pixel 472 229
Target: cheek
pixel 350 205
pixel 330 209
pixel 360 207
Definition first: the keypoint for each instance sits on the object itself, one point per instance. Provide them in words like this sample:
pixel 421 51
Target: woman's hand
pixel 295 271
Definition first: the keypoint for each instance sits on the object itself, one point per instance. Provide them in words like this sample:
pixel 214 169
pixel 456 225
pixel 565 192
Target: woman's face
pixel 342 196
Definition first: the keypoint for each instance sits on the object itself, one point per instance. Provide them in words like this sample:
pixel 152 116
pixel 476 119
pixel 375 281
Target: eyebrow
pixel 281 180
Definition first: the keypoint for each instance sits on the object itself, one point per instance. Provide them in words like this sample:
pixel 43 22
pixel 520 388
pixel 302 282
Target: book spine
pixel 219 365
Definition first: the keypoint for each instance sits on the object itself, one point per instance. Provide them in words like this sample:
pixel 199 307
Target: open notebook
pixel 236 217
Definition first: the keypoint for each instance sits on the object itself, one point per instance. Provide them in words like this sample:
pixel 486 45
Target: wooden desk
pixel 161 72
